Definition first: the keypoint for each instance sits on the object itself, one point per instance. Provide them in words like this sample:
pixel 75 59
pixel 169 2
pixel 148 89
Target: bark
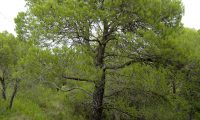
pixel 3 84
pixel 14 94
pixel 98 94
pixel 98 98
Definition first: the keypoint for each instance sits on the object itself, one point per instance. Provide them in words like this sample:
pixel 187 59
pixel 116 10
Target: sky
pixel 10 8
pixel 191 17
pixel 8 11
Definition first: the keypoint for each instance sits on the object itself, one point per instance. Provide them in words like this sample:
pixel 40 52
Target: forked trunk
pixel 13 94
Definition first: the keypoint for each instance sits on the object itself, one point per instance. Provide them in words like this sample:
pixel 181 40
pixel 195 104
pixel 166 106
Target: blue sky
pixel 10 8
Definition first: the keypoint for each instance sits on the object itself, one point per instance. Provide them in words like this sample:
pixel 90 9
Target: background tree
pixel 7 59
pixel 189 89
pixel 11 51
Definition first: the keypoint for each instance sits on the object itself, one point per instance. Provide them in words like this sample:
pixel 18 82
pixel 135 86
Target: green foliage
pixel 24 109
pixel 133 56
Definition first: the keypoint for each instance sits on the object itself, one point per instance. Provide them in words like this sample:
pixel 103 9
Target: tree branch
pixel 122 65
pixel 78 79
pixel 67 90
pixel 129 63
pixel 117 55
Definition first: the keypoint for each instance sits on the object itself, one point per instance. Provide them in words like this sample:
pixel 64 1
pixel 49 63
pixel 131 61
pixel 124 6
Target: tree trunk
pixel 3 84
pixel 98 94
pixel 98 98
pixel 13 94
